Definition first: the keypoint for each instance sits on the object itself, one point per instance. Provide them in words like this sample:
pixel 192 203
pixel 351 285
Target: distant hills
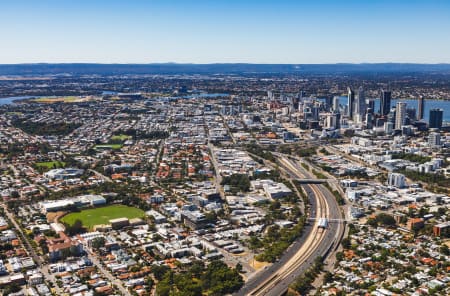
pixel 238 68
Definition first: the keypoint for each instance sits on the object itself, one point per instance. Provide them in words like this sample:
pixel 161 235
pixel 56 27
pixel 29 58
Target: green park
pixel 102 215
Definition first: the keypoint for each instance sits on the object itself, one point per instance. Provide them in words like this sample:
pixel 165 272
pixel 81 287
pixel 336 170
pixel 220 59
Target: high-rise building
pixel 385 102
pixel 436 118
pixel 388 128
pixel 369 119
pixel 420 108
pixel 335 103
pixel 350 102
pixel 411 113
pixel 396 180
pixel 359 109
pixel 434 139
pixel 371 106
pixel 400 115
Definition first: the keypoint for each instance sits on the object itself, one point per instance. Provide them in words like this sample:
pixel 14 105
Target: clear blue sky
pixel 189 31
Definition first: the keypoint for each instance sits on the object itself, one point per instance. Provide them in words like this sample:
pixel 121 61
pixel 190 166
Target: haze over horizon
pixel 204 32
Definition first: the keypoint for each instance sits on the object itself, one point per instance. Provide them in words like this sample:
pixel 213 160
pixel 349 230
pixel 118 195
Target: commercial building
pixel 420 108
pixel 436 116
pixel 434 139
pixel 400 115
pixel 385 102
pixel 119 223
pixel 350 102
pixel 396 180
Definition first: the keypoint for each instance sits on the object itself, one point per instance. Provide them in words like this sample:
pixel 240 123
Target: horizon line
pixel 219 63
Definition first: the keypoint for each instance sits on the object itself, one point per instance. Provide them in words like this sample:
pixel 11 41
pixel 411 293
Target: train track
pixel 305 252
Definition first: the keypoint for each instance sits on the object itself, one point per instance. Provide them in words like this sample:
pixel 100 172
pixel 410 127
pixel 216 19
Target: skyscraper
pixel 385 102
pixel 420 108
pixel 436 118
pixel 335 103
pixel 350 102
pixel 360 106
pixel 400 115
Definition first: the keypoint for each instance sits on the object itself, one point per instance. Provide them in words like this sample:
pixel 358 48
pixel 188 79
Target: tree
pixel 385 219
pixel 346 243
pixel 372 222
pixel 98 242
pixel 445 250
pixel 75 228
pixel 159 271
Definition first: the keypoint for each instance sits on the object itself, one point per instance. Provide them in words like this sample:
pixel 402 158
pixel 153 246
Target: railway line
pixel 316 241
pixel 303 254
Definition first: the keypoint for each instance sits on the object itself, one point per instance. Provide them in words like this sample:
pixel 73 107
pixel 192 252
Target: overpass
pixel 311 181
pixel 314 242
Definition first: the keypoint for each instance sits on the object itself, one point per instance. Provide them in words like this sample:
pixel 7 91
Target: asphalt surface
pixel 329 242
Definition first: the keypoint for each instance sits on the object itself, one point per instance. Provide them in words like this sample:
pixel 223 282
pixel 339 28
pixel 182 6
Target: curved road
pixel 313 243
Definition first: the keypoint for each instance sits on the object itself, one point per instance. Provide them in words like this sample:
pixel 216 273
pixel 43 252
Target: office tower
pixel 300 95
pixel 436 118
pixel 335 106
pixel 434 139
pixel 270 95
pixel 400 115
pixel 396 180
pixel 369 119
pixel 420 108
pixel 359 108
pixel 391 116
pixel 385 102
pixel 315 111
pixel 371 106
pixel 331 120
pixel 338 120
pixel 350 102
pixel 411 113
pixel 388 128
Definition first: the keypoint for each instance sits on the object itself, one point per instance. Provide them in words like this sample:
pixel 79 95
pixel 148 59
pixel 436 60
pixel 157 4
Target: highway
pixel 315 242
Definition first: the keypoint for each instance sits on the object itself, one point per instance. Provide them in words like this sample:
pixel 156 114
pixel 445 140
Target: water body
pixel 429 104
pixel 10 100
pixel 205 95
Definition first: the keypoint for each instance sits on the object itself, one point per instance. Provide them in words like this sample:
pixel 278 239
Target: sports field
pixel 109 146
pixel 102 215
pixel 51 164
pixel 120 137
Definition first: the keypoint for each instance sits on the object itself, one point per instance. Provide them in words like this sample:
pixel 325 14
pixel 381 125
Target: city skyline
pixel 283 32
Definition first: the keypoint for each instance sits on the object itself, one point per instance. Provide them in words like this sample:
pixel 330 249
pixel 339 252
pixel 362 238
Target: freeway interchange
pixel 314 242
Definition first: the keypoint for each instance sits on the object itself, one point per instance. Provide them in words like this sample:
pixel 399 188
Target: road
pixel 37 259
pixel 108 275
pixel 314 242
pixel 100 175
pixel 218 177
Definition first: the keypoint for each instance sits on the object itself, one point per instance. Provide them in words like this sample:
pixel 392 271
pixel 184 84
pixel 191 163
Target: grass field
pixel 111 146
pixel 92 217
pixel 51 164
pixel 67 99
pixel 120 137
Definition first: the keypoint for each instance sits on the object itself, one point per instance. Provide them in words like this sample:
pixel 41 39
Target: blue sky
pixel 189 31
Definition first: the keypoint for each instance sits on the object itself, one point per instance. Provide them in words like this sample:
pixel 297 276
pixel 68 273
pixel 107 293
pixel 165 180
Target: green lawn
pixel 120 137
pixel 110 146
pixel 102 215
pixel 51 164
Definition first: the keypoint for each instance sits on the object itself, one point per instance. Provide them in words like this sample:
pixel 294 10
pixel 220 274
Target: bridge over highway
pixel 315 241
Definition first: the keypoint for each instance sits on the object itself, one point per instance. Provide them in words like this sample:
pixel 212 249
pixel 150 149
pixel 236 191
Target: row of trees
pixel 237 182
pixel 215 279
pixel 303 283
pixel 411 157
pixel 277 240
pixel 39 128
